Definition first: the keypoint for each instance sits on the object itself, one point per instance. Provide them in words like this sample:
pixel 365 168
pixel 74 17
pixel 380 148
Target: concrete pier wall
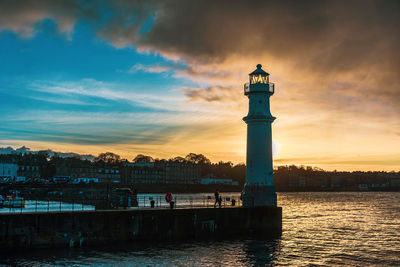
pixel 92 228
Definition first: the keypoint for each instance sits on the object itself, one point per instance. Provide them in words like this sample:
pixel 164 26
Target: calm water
pixel 319 229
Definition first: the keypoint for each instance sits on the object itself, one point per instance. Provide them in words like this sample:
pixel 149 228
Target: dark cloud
pixel 316 38
pixel 323 34
pixel 21 16
pixel 324 39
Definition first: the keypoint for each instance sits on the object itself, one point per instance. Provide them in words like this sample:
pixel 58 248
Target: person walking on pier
pixel 216 194
pixel 170 199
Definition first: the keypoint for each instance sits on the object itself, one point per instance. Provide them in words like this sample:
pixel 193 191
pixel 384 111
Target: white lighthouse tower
pixel 259 188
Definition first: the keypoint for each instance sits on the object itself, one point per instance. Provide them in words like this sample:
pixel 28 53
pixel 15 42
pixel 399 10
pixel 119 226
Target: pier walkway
pixel 144 202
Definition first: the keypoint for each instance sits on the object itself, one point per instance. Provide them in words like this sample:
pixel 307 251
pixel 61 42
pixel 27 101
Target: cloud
pixel 90 128
pixel 150 69
pixel 97 90
pixel 179 70
pixel 20 17
pixel 147 119
pixel 330 34
pixel 307 43
pixel 66 101
pixel 211 94
pixel 326 39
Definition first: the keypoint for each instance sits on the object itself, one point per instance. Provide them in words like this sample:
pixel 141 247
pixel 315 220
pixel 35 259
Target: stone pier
pixel 93 228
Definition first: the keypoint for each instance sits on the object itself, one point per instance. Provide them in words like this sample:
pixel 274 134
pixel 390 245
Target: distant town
pixel 194 172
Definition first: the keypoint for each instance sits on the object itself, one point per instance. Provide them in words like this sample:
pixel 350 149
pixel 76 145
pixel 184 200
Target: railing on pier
pixel 143 202
pixel 45 205
pixel 189 202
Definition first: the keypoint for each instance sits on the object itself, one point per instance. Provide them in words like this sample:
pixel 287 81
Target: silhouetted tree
pixel 178 159
pixel 197 159
pixel 109 158
pixel 143 158
pixel 203 162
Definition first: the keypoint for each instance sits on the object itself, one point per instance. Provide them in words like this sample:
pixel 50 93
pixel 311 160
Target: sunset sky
pixel 165 78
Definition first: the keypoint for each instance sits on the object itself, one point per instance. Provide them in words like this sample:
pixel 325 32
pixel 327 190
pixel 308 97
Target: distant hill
pixel 23 150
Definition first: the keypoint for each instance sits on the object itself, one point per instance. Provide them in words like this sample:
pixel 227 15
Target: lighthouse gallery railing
pixel 271 87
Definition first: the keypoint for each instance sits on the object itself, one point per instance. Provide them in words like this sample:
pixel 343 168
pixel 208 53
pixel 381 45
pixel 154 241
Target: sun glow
pixel 275 147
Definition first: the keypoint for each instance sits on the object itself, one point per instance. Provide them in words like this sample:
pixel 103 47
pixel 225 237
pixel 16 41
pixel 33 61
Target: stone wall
pixel 92 228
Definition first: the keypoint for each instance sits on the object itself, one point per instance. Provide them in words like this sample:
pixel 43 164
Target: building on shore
pixel 91 171
pixel 161 172
pixel 182 173
pixel 28 170
pixel 8 170
pixel 106 175
pixel 144 172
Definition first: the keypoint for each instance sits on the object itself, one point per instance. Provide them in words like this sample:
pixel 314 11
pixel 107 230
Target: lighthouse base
pixel 259 195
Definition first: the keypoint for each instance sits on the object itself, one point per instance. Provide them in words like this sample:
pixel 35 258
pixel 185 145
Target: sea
pixel 319 229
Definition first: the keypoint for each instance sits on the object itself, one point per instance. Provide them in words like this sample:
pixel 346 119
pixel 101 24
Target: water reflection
pixel 260 253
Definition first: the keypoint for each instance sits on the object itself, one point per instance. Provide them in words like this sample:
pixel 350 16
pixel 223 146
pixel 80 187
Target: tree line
pixel 221 169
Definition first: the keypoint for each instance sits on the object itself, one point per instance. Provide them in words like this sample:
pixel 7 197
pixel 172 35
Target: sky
pixel 165 78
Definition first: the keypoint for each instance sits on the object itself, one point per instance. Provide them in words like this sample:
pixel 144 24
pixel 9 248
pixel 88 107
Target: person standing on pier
pixel 216 194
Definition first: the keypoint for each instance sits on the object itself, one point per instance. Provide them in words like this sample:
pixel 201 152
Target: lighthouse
pixel 259 188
